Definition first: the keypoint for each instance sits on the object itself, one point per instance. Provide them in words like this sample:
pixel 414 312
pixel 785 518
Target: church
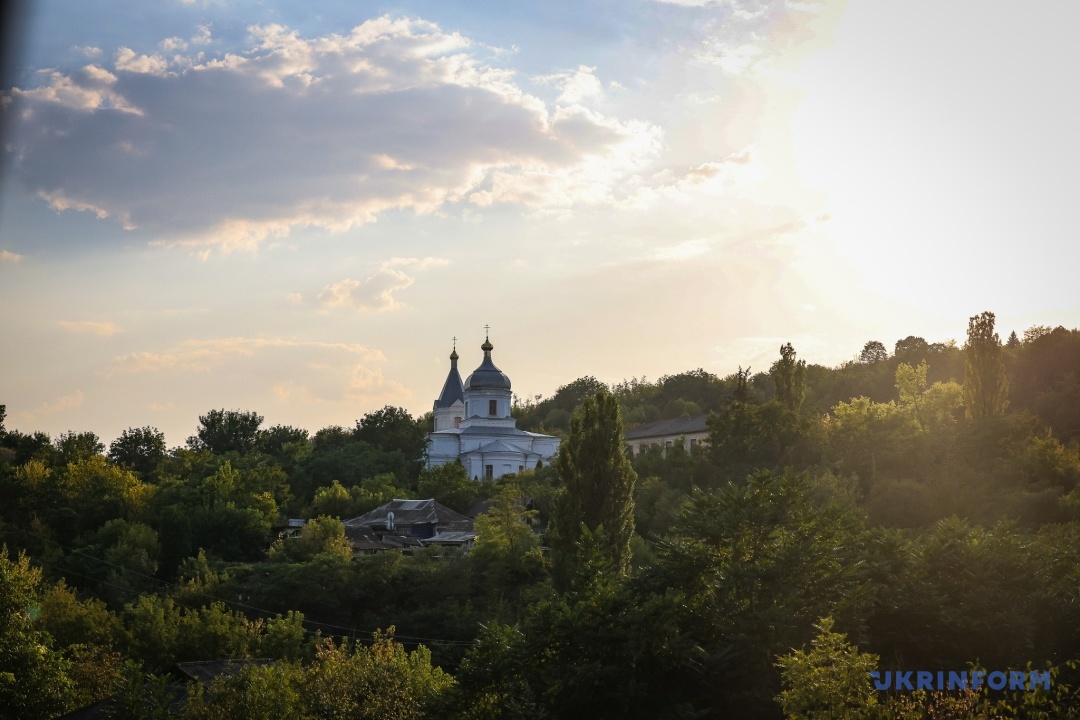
pixel 473 425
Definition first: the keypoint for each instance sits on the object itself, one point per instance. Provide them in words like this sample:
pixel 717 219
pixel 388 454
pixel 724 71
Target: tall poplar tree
pixel 986 389
pixel 598 495
pixel 789 375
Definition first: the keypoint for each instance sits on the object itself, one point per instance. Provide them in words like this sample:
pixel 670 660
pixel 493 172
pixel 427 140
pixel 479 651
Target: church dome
pixel 487 376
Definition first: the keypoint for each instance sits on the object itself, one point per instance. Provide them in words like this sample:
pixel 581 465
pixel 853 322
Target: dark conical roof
pixel 452 389
pixel 487 375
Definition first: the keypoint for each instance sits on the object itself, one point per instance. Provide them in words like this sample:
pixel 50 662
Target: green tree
pixel 830 681
pixel 759 560
pixel 380 682
pixel 395 430
pixel 598 482
pixel 73 447
pixel 33 677
pixel 450 485
pixel 789 375
pixel 985 385
pixel 223 431
pixel 139 449
pixel 873 351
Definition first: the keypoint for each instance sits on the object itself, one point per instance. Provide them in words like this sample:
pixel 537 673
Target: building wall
pixel 689 440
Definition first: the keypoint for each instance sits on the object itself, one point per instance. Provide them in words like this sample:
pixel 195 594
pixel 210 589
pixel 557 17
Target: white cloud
pixel 58 405
pixel 127 60
pixel 295 298
pixel 295 372
pixel 326 132
pixel 418 263
pixel 577 86
pixel 104 329
pixel 206 355
pixel 376 292
pixel 173 43
pixel 8 256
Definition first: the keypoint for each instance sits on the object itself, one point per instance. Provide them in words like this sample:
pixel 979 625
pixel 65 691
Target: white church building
pixel 473 425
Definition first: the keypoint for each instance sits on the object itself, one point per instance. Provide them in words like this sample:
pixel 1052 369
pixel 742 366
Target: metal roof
pixel 408 513
pixel 452 390
pixel 665 428
pixel 487 376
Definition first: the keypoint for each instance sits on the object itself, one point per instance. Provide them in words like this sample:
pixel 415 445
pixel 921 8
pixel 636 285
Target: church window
pixel 489 472
pixel 493 407
pixel 457 422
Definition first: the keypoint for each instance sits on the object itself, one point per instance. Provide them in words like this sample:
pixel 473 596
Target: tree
pixel 829 680
pixel 450 485
pixel 985 385
pixel 139 449
pixel 873 351
pixel 789 375
pixel 911 349
pixel 33 677
pixel 73 447
pixel 222 431
pixel 394 430
pixel 598 479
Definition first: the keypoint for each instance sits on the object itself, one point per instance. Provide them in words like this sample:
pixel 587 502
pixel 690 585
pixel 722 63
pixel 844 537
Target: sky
pixel 294 208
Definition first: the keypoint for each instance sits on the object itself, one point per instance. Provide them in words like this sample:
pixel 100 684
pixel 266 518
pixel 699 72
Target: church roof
pixel 490 430
pixel 452 389
pixel 496 446
pixel 487 375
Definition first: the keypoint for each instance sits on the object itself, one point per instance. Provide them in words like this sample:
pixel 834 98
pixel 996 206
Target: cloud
pixel 353 385
pixel 376 292
pixel 104 329
pixel 8 256
pixel 709 179
pixel 682 251
pixel 206 355
pixel 60 404
pixel 295 372
pixel 328 132
pixel 576 86
pixel 295 298
pixel 127 60
pixel 733 59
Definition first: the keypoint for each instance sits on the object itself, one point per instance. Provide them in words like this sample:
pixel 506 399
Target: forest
pixel 913 509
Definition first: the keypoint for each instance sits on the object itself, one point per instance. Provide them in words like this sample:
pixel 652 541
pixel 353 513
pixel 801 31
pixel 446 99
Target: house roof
pixel 408 513
pixel 457 537
pixel 206 671
pixel 673 427
pixel 365 539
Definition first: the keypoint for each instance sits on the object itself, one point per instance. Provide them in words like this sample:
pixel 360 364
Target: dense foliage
pixel 904 511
